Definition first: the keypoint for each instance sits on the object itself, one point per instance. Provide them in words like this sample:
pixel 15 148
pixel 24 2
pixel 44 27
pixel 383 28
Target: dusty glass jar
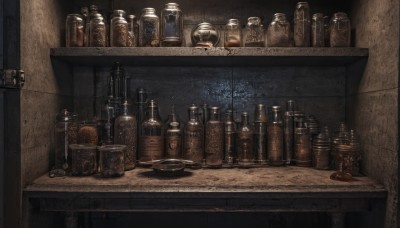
pixel 214 146
pixel 83 159
pixel 340 30
pixel 171 26
pixel 112 160
pixel 301 27
pixel 233 34
pixel 194 137
pixel 149 28
pixel 98 32
pixel 205 35
pixel 74 31
pixel 317 30
pixel 133 31
pixel 275 137
pixel 245 153
pixel 119 29
pixel 278 33
pixel 254 33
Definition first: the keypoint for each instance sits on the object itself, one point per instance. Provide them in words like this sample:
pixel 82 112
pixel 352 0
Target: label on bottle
pixel 214 143
pixel 151 148
pixel 193 145
pixel 173 146
pixel 275 143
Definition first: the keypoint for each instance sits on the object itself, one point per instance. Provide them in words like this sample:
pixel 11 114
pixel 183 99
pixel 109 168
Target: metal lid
pixel 112 148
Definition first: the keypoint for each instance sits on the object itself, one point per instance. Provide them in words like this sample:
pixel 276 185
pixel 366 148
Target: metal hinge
pixel 12 78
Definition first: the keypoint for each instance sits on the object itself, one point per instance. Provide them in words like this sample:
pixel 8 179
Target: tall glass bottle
pixel 275 137
pixel 254 33
pixel 302 25
pixel 229 138
pixel 173 136
pixel 233 33
pixel 260 134
pixel 214 146
pixel 194 137
pixel 141 100
pixel 149 28
pixel 125 133
pixel 118 30
pixel 171 26
pixel 288 125
pixel 245 151
pixel 133 31
pixel 151 136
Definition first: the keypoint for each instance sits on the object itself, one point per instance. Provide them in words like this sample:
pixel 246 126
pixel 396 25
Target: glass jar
pixel 317 30
pixel 119 29
pixel 112 160
pixel 98 34
pixel 149 28
pixel 233 34
pixel 340 30
pixel 133 31
pixel 66 132
pixel 74 34
pixel 173 136
pixel 125 133
pixel 254 33
pixel 278 33
pixel 245 151
pixel 229 138
pixel 214 146
pixel 194 137
pixel 83 159
pixel 260 134
pixel 93 11
pixel 151 136
pixel 171 26
pixel 205 35
pixel 275 137
pixel 301 25
pixel 87 133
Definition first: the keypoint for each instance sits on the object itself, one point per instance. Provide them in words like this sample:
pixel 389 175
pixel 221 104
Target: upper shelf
pixel 218 56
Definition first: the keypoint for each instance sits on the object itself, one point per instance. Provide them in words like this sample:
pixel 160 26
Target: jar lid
pixel 112 148
pixel 172 4
pixel 85 146
pixel 120 13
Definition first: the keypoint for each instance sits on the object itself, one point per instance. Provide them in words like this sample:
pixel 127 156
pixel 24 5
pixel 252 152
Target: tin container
pixel 112 162
pixel 214 144
pixel 83 159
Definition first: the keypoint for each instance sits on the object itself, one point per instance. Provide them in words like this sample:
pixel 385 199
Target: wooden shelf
pixel 189 56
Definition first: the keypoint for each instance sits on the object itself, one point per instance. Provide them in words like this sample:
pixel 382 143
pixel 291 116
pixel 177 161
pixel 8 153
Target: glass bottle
pixel 254 33
pixel 302 152
pixel 112 160
pixel 194 137
pixel 98 34
pixel 141 101
pixel 74 34
pixel 229 138
pixel 66 132
pixel 302 25
pixel 119 29
pixel 173 136
pixel 340 30
pixel 260 134
pixel 151 137
pixel 108 117
pixel 275 137
pixel 149 28
pixel 288 125
pixel 278 33
pixel 133 31
pixel 317 30
pixel 214 144
pixel 125 133
pixel 233 33
pixel 245 151
pixel 171 26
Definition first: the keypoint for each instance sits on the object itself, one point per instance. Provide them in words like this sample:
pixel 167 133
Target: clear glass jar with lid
pixel 254 33
pixel 171 26
pixel 278 33
pixel 233 34
pixel 74 34
pixel 317 30
pixel 301 25
pixel 149 28
pixel 340 30
pixel 205 35
pixel 98 34
pixel 119 29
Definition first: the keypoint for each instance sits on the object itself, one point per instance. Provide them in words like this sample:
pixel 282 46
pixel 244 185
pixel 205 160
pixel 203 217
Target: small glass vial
pixel 151 136
pixel 171 26
pixel 245 151
pixel 340 30
pixel 229 138
pixel 260 134
pixel 83 159
pixel 119 29
pixel 74 34
pixel 149 28
pixel 194 137
pixel 125 133
pixel 214 144
pixel 275 137
pixel 98 34
pixel 254 33
pixel 173 136
pixel 66 132
pixel 108 117
pixel 87 133
pixel 317 30
pixel 112 160
pixel 301 25
pixel 302 152
pixel 133 31
pixel 233 33
pixel 278 33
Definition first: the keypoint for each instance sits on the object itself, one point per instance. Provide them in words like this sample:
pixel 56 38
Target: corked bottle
pixel 173 136
pixel 260 134
pixel 194 137
pixel 86 22
pixel 119 29
pixel 301 27
pixel 340 30
pixel 275 137
pixel 229 138
pixel 214 144
pixel 245 151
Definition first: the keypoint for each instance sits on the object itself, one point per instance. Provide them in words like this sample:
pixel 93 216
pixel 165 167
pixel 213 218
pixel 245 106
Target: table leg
pixel 338 219
pixel 71 219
